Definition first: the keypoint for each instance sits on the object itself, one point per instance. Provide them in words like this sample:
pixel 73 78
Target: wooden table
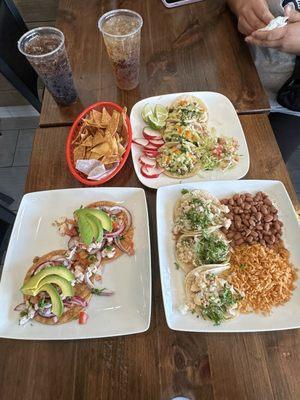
pixel 196 47
pixel 160 363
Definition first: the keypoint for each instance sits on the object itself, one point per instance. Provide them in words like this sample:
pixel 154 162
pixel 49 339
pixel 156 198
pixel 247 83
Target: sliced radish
pixel 151 133
pixel 150 153
pixel 150 147
pixel 157 142
pixel 151 172
pixel 141 141
pixel 148 162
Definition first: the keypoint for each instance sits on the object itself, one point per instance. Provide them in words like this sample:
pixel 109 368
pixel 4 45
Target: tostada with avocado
pixel 102 229
pixel 54 289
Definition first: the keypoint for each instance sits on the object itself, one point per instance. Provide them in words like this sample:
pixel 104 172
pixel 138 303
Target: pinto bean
pixel 268 218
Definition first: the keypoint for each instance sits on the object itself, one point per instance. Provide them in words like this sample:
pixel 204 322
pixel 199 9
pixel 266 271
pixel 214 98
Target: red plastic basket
pixel 73 131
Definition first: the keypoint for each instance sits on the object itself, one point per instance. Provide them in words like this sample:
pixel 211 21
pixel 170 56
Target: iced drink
pixel 45 49
pixel 121 30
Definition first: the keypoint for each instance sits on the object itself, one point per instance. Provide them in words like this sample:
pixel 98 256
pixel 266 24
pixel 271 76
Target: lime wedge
pixel 156 123
pixel 146 112
pixel 161 112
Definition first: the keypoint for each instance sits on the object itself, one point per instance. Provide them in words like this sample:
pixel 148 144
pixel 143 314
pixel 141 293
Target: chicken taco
pixel 193 251
pixel 198 211
pixel 178 160
pixel 210 295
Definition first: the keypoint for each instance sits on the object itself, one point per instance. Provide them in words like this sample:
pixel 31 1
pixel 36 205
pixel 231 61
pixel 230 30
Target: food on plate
pixel 218 153
pixel 178 160
pixel 264 274
pixel 179 143
pixel 211 296
pixel 52 293
pixel 197 211
pixel 58 286
pixel 103 228
pixel 232 254
pixel 155 116
pixel 187 119
pixel 254 219
pixel 193 251
pixel 100 143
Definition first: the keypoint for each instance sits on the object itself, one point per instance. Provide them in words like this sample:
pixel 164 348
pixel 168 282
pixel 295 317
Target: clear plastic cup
pixel 121 30
pixel 45 49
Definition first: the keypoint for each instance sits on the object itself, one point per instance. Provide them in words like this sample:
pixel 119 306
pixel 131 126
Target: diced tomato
pixel 72 232
pixel 83 317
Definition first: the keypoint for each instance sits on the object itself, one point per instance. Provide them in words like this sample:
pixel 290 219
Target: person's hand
pixel 286 39
pixel 252 14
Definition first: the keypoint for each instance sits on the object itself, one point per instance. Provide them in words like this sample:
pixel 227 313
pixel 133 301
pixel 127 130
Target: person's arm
pixel 251 14
pixel 285 39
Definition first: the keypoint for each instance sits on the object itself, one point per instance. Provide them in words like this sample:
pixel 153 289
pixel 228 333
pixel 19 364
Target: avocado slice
pixel 66 287
pixel 96 226
pixel 57 304
pixel 101 216
pixel 33 282
pixel 86 231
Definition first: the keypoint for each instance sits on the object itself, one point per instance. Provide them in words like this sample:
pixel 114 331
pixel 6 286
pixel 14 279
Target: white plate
pixel 283 317
pixel 222 116
pixel 126 312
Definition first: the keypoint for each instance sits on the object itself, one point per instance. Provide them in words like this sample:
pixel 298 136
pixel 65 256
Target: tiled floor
pixel 16 138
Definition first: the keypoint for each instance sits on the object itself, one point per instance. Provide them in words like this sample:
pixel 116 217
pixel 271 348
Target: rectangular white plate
pixel 222 116
pixel 126 312
pixel 172 280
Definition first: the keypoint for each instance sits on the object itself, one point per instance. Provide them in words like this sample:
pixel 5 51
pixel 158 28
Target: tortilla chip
pixel 79 153
pixel 98 138
pixel 113 145
pixel 123 122
pixel 121 149
pixel 110 159
pixel 97 117
pixel 88 142
pixel 113 123
pixel 101 149
pixel 105 117
pixel 87 154
pixel 95 156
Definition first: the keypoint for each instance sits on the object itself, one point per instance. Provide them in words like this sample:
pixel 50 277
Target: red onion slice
pixel 41 266
pixel 120 246
pixel 115 233
pixel 20 307
pixel 116 210
pixel 77 300
pixel 73 242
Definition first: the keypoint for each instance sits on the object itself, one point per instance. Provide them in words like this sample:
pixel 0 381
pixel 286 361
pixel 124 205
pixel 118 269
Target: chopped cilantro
pixel 176 265
pixel 92 258
pixel 42 303
pixel 184 191
pixel 108 248
pixel 97 291
pixel 122 238
pixel 243 266
pixel 23 313
pixel 217 311
pixel 212 250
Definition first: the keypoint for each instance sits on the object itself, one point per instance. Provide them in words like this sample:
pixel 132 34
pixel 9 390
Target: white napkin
pixel 278 22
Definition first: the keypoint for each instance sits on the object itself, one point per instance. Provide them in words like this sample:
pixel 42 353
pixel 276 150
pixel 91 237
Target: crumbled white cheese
pixel 183 309
pixel 72 254
pixel 108 253
pixel 79 275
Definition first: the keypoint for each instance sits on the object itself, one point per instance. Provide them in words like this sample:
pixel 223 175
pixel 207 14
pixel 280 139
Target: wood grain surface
pixel 159 364
pixel 190 48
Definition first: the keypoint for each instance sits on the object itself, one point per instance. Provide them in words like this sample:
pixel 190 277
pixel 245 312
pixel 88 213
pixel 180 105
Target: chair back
pixel 14 65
